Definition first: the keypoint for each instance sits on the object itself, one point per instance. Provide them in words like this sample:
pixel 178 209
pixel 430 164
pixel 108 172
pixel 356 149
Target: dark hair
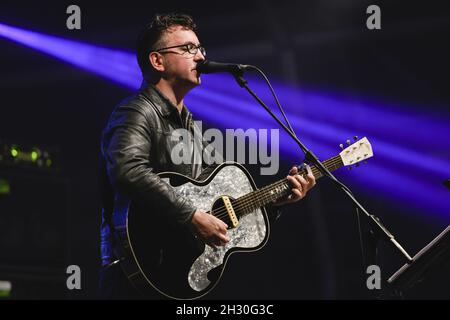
pixel 150 39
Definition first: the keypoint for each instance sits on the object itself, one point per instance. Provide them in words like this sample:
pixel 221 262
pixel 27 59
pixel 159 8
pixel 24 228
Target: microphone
pixel 206 66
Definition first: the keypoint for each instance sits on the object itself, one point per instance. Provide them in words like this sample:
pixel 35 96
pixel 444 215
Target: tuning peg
pixel 357 164
pixel 355 138
pixel 365 162
pixel 342 146
pixel 348 141
pixel 349 167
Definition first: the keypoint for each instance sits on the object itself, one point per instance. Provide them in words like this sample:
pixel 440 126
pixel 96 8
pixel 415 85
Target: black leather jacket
pixel 136 144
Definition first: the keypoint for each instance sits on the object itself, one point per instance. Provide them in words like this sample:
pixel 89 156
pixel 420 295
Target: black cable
pixel 361 241
pixel 274 96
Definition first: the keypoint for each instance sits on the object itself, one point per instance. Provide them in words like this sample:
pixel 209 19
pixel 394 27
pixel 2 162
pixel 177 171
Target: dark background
pixel 314 250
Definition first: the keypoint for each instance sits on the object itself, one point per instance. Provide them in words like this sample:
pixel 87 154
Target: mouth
pixel 197 73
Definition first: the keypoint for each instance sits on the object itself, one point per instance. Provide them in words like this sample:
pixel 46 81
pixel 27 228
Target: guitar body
pixel 158 254
pixel 169 258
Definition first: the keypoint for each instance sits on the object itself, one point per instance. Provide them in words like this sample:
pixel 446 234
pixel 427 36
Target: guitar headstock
pixel 359 151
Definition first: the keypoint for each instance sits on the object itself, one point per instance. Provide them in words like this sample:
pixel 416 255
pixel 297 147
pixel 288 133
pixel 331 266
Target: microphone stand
pixel 310 157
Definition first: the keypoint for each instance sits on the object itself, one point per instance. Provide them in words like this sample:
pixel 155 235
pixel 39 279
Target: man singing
pixel 136 145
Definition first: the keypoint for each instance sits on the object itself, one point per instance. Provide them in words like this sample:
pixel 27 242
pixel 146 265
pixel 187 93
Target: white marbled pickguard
pixel 250 232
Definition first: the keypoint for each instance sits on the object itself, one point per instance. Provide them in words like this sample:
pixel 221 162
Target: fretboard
pixel 261 197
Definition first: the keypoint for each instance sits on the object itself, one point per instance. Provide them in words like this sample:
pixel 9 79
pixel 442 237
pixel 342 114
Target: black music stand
pixel 430 257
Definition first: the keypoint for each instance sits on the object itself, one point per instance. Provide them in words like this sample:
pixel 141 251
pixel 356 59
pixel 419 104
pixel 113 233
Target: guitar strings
pixel 244 204
pixel 247 204
pixel 261 195
pixel 221 212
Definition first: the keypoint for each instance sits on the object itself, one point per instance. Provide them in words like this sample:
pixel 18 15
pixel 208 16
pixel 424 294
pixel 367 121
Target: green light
pixel 4 187
pixel 34 155
pixel 48 162
pixel 14 152
pixel 4 294
pixel 5 289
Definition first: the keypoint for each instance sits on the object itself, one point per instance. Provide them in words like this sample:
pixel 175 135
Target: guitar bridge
pixel 230 211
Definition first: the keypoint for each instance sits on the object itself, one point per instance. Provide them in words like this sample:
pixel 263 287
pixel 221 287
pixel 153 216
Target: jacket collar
pixel 160 100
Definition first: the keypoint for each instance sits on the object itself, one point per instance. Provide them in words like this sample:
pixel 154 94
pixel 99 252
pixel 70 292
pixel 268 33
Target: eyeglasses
pixel 187 48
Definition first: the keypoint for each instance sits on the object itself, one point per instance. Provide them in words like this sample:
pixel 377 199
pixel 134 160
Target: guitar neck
pixel 281 188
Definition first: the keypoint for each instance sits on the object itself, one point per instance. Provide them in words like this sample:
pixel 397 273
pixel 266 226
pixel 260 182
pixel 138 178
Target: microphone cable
pixel 360 233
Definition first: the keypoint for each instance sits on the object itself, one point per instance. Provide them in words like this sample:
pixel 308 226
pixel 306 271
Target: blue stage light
pixel 412 154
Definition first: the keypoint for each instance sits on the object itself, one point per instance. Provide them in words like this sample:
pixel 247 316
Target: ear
pixel 157 61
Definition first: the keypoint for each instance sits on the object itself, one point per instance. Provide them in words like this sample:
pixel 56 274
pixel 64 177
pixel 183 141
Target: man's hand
pixel 210 229
pixel 300 186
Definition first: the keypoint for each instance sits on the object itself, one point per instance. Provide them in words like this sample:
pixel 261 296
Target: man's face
pixel 179 64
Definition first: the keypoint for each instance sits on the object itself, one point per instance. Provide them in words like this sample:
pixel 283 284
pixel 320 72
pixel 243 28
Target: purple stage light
pixel 412 154
pixel 115 65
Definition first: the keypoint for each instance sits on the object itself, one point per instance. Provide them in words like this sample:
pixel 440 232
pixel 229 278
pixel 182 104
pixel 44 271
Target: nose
pixel 199 56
